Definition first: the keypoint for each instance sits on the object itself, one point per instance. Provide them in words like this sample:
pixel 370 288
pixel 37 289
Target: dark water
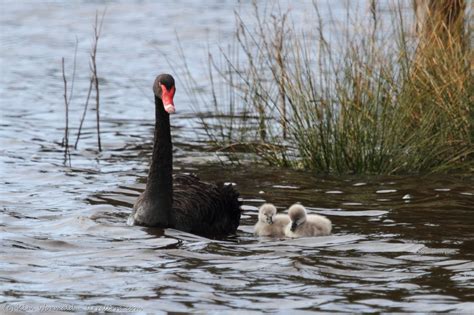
pixel 399 243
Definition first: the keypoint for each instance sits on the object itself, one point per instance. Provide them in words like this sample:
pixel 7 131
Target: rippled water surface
pixel 399 243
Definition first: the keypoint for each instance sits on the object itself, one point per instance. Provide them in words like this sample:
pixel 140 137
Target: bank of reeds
pixel 358 97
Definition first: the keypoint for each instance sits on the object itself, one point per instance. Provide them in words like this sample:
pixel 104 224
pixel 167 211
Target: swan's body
pixel 306 225
pixel 182 202
pixel 198 207
pixel 270 223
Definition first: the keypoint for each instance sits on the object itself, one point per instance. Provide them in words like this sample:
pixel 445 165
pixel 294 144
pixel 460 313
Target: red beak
pixel 167 97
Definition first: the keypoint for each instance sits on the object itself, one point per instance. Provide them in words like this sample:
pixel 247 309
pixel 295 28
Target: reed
pixel 67 103
pixel 94 80
pixel 93 65
pixel 368 98
pixel 65 142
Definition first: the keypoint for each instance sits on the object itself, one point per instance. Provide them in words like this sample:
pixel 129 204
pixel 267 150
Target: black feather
pixel 204 208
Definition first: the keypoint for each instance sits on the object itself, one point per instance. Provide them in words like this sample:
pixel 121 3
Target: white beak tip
pixel 170 109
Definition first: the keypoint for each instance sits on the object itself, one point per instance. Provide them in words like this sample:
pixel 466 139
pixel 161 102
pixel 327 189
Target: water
pixel 399 243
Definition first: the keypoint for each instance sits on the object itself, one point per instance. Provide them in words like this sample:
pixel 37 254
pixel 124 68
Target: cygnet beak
pixel 269 220
pixel 293 226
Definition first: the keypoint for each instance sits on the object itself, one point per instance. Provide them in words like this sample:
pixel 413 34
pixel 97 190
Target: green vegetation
pixel 362 97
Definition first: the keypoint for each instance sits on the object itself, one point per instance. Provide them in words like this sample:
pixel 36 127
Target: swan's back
pixel 319 223
pixel 203 208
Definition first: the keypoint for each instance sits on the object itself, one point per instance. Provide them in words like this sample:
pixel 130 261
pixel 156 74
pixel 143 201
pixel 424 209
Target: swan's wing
pixel 203 208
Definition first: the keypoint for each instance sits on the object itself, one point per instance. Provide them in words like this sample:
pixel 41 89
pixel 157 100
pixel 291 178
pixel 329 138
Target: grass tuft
pixel 365 97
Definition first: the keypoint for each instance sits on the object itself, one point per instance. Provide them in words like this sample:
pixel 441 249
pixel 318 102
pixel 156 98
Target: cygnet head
pixel 266 213
pixel 297 214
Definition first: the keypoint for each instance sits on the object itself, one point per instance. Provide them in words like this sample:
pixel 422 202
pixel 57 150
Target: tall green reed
pixel 358 97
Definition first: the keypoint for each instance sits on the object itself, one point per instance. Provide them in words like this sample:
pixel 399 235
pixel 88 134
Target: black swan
pixel 182 202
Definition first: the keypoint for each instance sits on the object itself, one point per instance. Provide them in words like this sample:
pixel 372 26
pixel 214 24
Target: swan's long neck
pixel 159 187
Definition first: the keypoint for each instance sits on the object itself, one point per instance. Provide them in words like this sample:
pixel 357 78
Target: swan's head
pixel 297 214
pixel 164 88
pixel 266 213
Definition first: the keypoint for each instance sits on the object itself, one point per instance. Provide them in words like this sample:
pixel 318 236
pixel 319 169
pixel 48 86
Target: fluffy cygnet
pixel 306 225
pixel 270 223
